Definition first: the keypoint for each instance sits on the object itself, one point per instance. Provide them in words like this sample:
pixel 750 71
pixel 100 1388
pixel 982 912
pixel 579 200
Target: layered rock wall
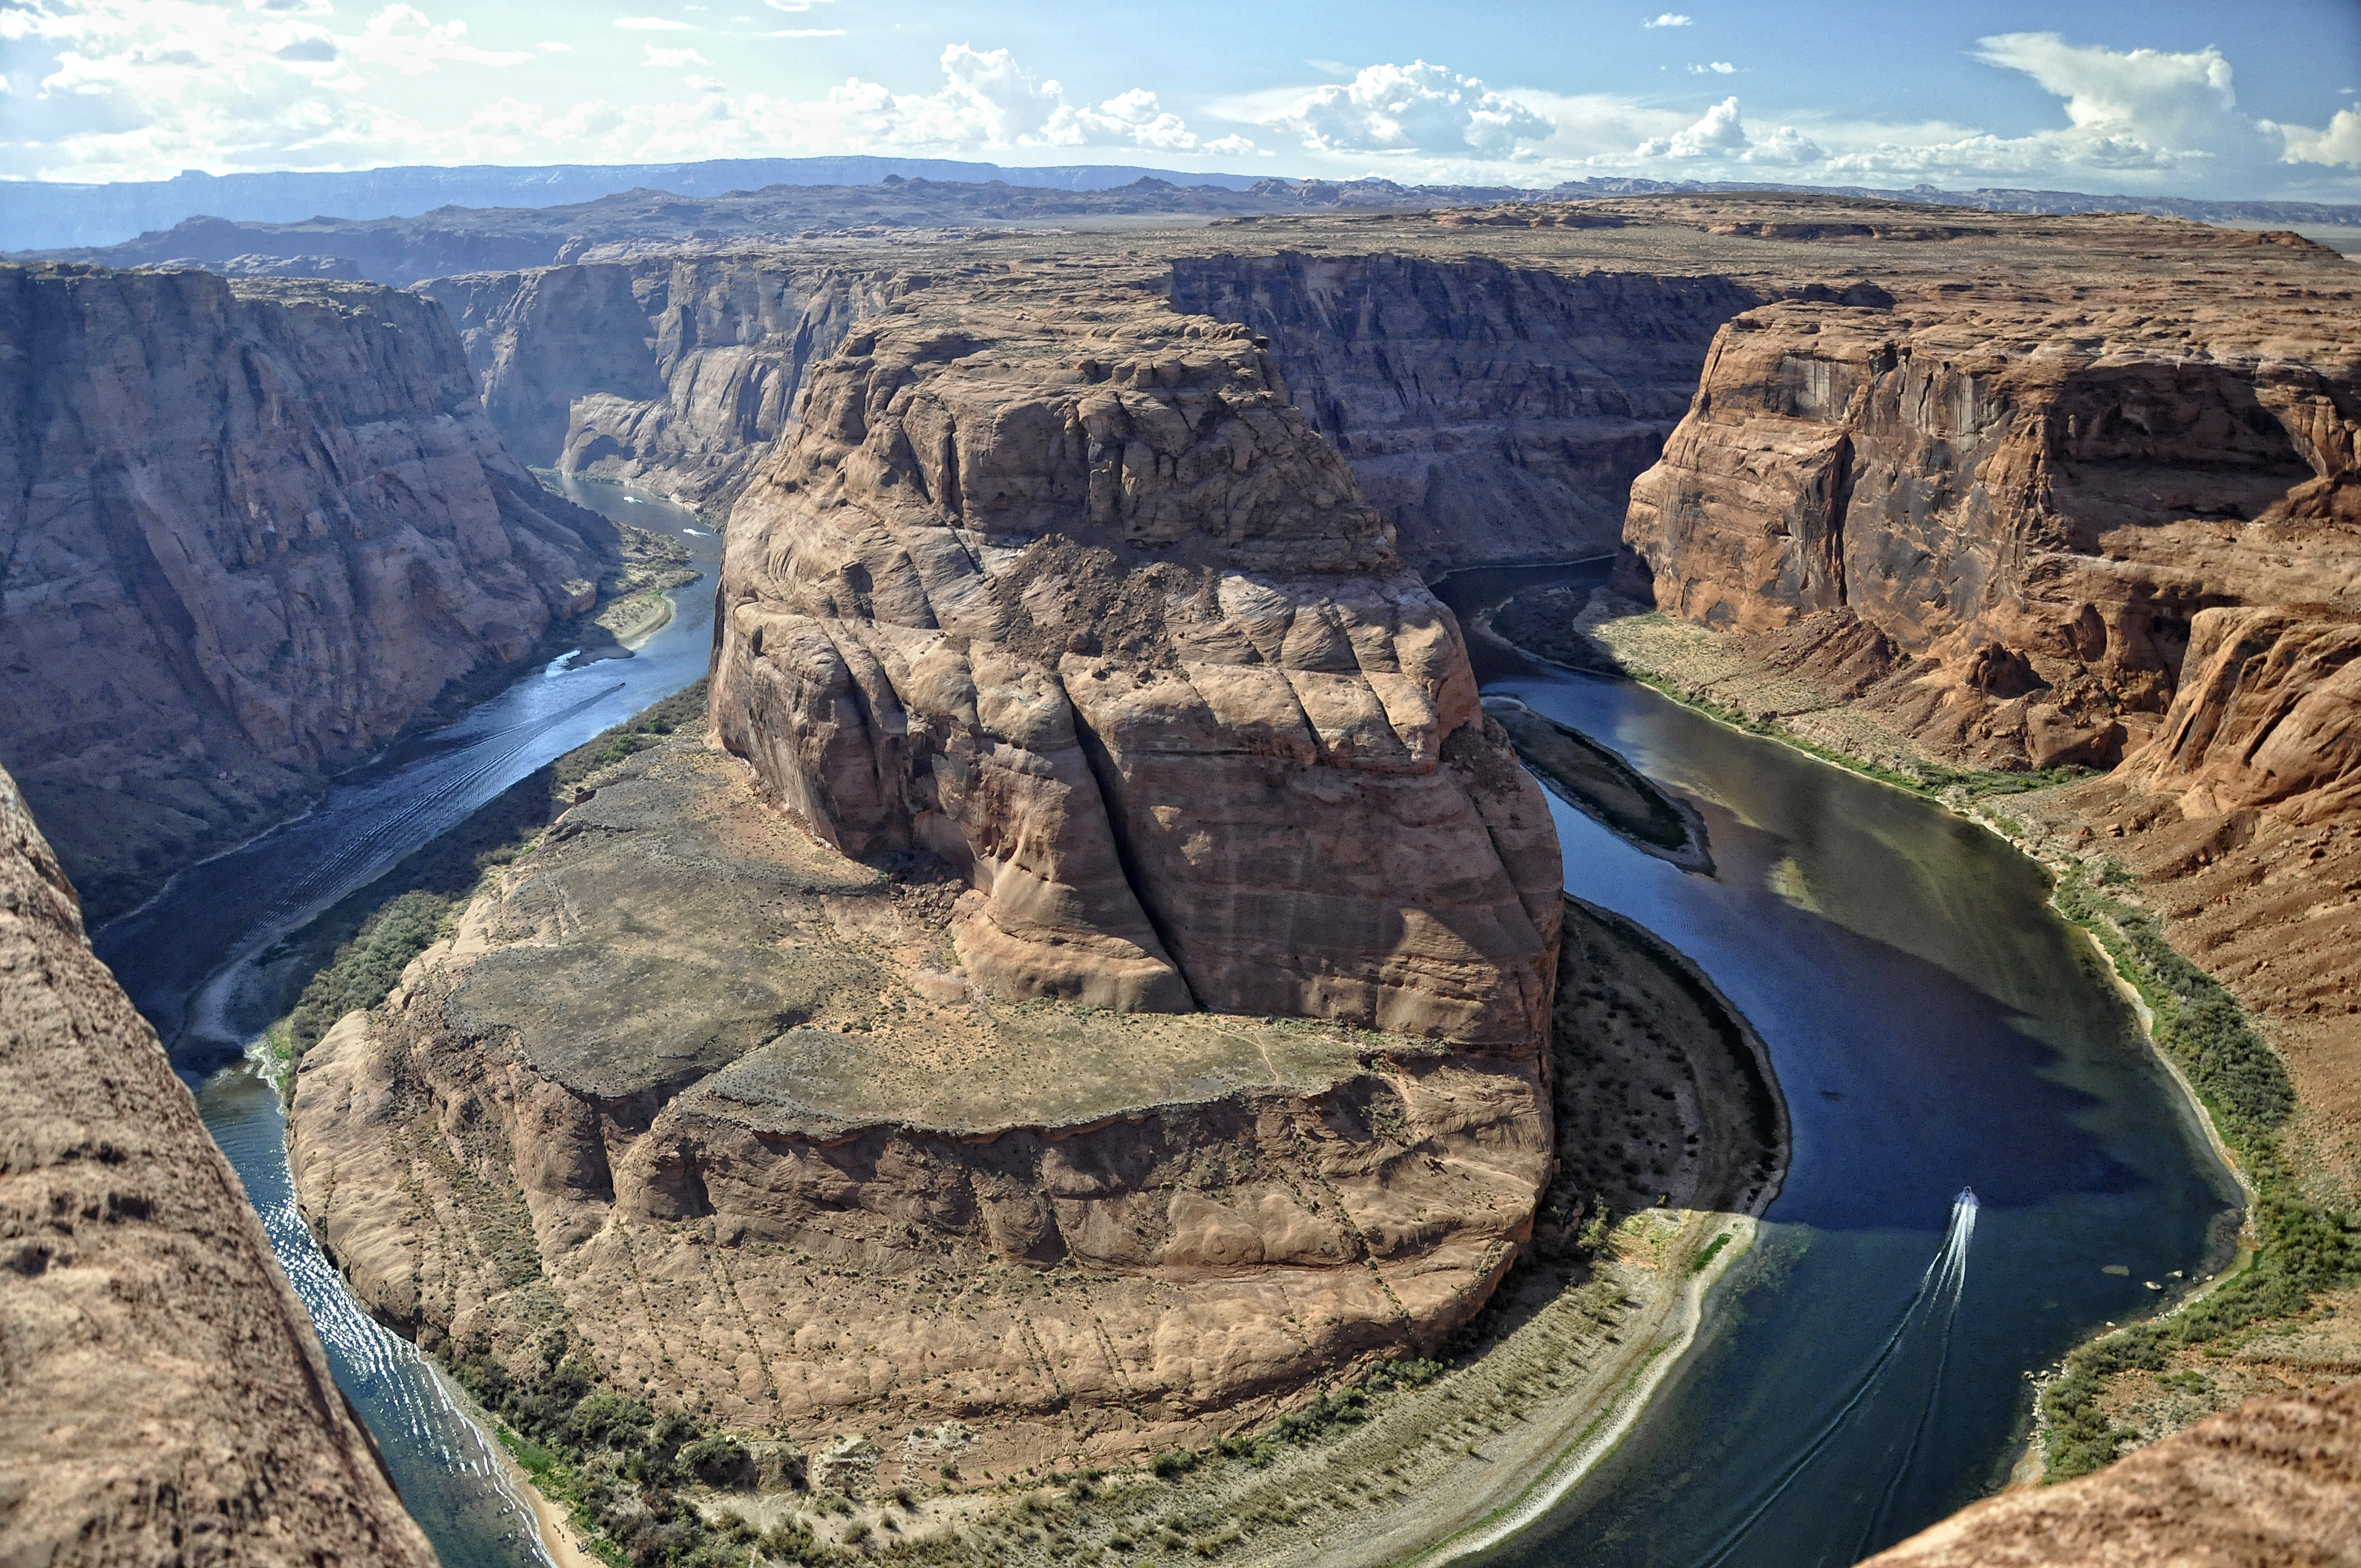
pixel 251 529
pixel 676 373
pixel 1094 617
pixel 2033 497
pixel 1490 412
pixel 166 1398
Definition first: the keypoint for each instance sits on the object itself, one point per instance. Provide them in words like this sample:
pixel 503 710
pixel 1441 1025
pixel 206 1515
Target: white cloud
pixel 2144 92
pixel 404 39
pixel 1721 136
pixel 142 88
pixel 2132 119
pixel 796 7
pixel 1670 19
pixel 1720 131
pixel 139 89
pixel 651 24
pixel 1416 107
pixel 2338 146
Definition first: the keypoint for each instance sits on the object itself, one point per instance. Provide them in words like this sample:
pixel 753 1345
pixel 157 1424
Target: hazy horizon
pixel 2182 99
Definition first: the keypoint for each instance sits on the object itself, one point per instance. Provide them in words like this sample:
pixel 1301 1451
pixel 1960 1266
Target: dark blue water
pixel 182 955
pixel 1934 1026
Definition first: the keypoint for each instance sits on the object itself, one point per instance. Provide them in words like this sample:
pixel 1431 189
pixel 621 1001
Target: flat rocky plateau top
pixel 673 932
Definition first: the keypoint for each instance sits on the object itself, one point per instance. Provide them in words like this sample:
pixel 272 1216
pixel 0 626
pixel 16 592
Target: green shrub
pixel 366 969
pixel 617 1463
pixel 2301 1249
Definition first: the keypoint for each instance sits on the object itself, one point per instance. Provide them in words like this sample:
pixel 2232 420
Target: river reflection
pixel 182 955
pixel 1935 1026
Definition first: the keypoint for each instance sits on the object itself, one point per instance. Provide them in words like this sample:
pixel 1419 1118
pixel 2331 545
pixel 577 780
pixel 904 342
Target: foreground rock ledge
pixel 165 1398
pixel 2274 1482
pixel 710 1097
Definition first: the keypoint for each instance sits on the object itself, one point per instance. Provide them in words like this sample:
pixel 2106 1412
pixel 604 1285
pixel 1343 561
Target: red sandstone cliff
pixel 251 530
pixel 166 1399
pixel 1491 411
pixel 675 372
pixel 2032 487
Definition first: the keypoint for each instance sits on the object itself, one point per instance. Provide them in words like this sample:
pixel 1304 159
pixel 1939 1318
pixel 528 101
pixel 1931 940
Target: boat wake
pixel 1923 1333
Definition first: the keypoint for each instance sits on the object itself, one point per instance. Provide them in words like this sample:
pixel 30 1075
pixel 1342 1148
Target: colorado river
pixel 181 956
pixel 1935 1027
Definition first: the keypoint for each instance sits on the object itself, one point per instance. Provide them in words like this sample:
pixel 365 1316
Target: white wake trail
pixel 1937 1298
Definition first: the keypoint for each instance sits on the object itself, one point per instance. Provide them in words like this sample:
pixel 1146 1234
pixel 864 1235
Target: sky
pixel 2257 100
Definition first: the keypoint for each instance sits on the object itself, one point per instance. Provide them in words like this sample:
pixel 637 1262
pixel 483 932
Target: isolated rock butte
pixel 698 1093
pixel 166 1399
pixel 1065 615
pixel 1087 611
pixel 252 529
pixel 2273 1484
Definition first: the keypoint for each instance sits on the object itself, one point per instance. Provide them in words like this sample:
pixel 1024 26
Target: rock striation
pixel 251 529
pixel 1095 618
pixel 716 1104
pixel 2031 487
pixel 2275 1482
pixel 1101 987
pixel 166 1398
pixel 675 372
pixel 1490 412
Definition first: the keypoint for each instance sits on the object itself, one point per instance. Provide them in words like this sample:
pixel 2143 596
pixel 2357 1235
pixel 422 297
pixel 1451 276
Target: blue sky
pixel 2255 100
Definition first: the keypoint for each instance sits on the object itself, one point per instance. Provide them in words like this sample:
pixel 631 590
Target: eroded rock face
pixel 2274 1482
pixel 675 372
pixel 2267 715
pixel 166 1399
pixel 252 529
pixel 2034 488
pixel 1491 413
pixel 706 1095
pixel 1095 618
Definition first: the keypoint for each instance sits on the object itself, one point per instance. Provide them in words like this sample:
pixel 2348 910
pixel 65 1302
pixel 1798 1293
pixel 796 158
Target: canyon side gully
pixel 1934 1026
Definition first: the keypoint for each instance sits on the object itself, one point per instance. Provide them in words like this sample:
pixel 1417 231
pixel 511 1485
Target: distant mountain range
pixel 1990 199
pixel 43 215
pixel 398 225
pixel 452 240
